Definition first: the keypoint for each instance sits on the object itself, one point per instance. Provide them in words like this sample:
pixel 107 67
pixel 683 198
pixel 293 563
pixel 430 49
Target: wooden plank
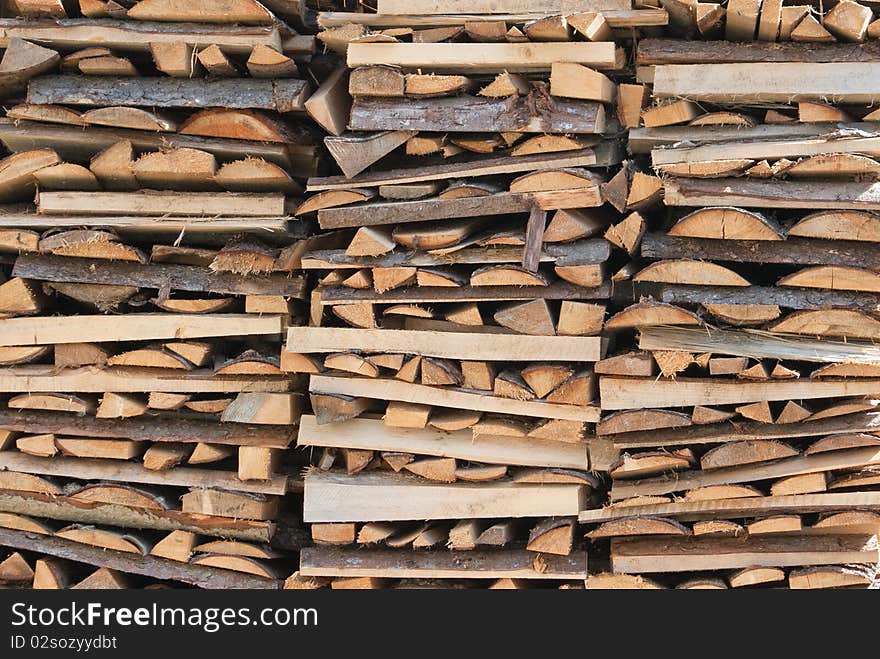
pixel 854 195
pixel 643 140
pixel 450 345
pixel 802 464
pixel 76 33
pixel 439 564
pixel 768 82
pixel 69 509
pixel 482 57
pixel 45 379
pixel 757 345
pixel 159 429
pixel 382 389
pixel 151 202
pixel 793 250
pixel 791 298
pixel 728 432
pixel 131 472
pixel 267 228
pixel 824 502
pixel 161 276
pixel 79 143
pixel 477 114
pixel 47 330
pixel 150 566
pixel 431 7
pixel 625 18
pixel 423 210
pixel 375 497
pixel 374 435
pixel 676 51
pixel 631 393
pixel 555 291
pixel 592 157
pixel 577 253
pixel 637 555
pixel 281 95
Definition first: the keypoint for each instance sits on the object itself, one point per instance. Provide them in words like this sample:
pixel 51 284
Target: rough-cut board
pixel 374 435
pixel 432 7
pixel 76 33
pixel 791 298
pixel 482 57
pixel 624 393
pixel 772 194
pixel 592 157
pixel 726 432
pixel 133 327
pixel 771 149
pixel 46 379
pixel 70 509
pixel 642 140
pixel 617 18
pixel 382 389
pixel 580 252
pixel 282 95
pixel 158 430
pixel 677 51
pixel 638 555
pixel 793 250
pixel 150 566
pixel 423 210
pixel 376 497
pixel 737 508
pixel 682 481
pixel 161 276
pixel 757 345
pixel 769 82
pixel 439 564
pixel 413 295
pixel 131 472
pixel 450 345
pixel 477 114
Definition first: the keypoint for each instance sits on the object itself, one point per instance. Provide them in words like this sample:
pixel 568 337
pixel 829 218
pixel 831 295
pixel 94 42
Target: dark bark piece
pixel 793 250
pixel 160 429
pixel 475 114
pixel 554 291
pixel 674 51
pixel 284 95
pixel 164 277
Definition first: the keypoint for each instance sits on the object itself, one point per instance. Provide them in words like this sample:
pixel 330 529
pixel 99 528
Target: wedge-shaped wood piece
pixel 669 114
pixel 843 225
pixel 644 314
pixel 725 223
pixel 648 463
pixel 829 576
pixel 639 526
pixel 830 322
pixel 833 278
pixel 16 172
pixel 212 11
pixel 634 420
pixel 570 80
pixel 697 273
pixel 848 21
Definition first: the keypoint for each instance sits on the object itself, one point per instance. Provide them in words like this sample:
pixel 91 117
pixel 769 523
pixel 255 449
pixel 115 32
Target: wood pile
pixel 148 276
pixel 473 294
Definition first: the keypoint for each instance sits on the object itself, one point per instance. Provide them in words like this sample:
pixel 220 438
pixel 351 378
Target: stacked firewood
pixel 744 407
pixel 147 280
